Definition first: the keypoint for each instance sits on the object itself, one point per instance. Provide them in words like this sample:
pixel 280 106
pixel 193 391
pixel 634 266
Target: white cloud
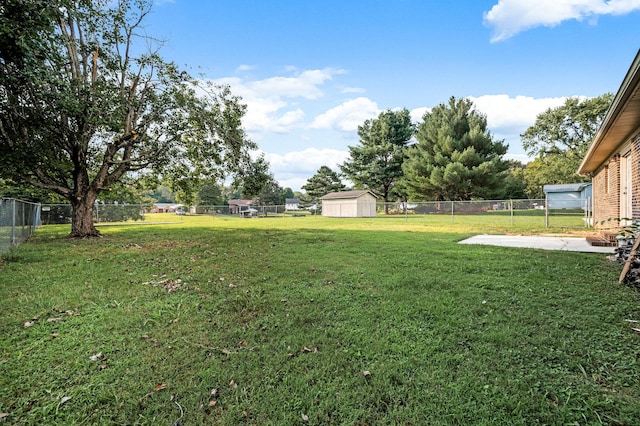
pixel 347 116
pixel 519 112
pixel 306 161
pixel 523 158
pixel 417 114
pixel 271 102
pixel 303 85
pixel 244 68
pixel 509 117
pixel 347 90
pixel 509 17
pixel 294 168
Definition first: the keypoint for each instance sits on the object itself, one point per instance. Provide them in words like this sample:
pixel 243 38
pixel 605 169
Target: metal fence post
pixel 452 213
pixel 546 211
pixel 511 209
pixel 13 222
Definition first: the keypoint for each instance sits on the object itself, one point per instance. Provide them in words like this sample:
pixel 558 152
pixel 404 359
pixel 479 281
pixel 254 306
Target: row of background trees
pixel 90 111
pixel 452 155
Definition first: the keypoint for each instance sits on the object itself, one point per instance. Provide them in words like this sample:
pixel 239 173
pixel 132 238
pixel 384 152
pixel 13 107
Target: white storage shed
pixel 568 195
pixel 349 204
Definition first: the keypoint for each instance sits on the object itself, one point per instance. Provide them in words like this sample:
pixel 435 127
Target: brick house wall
pixel 606 193
pixel 615 148
pixel 606 188
pixel 635 177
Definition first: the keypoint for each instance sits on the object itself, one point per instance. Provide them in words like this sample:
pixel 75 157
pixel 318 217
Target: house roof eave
pixel 621 121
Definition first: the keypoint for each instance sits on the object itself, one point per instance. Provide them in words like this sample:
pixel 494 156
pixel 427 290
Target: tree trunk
pixel 82 218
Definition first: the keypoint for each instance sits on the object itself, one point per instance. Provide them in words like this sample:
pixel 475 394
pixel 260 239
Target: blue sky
pixel 311 71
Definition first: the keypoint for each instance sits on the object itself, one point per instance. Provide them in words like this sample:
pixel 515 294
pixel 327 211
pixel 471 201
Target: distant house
pixel 165 208
pixel 349 204
pixel 242 208
pixel 568 196
pixel 292 204
pixel 613 159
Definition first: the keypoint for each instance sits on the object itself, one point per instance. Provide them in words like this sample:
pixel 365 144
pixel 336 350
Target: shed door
pixel 625 188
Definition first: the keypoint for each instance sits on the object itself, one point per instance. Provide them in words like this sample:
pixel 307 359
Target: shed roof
pixel 620 122
pixel 346 194
pixel 292 201
pixel 566 187
pixel 240 202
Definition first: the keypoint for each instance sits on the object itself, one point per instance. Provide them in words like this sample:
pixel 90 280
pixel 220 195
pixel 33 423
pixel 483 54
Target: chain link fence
pixel 570 212
pixel 542 211
pixel 18 221
pixel 539 212
pixel 61 213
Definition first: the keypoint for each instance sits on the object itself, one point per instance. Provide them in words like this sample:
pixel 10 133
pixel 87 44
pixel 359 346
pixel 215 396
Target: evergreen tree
pixel 455 157
pixel 514 183
pixel 323 182
pixel 376 164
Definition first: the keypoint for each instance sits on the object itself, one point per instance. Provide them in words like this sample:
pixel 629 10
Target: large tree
pixel 210 194
pixel 272 194
pixel 513 184
pixel 559 139
pixel 323 182
pixel 455 157
pixel 567 128
pixel 550 169
pixel 85 101
pixel 376 163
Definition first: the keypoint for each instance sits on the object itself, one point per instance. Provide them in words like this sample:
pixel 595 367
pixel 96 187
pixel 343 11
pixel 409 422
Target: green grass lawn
pixel 309 320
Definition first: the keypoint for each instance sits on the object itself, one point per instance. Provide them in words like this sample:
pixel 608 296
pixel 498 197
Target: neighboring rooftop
pixel 346 194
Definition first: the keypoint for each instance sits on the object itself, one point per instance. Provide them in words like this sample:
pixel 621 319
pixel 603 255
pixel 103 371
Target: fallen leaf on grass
pixel 305 418
pixel 96 356
pixel 54 319
pixel 54 334
pixel 366 373
pixel 160 386
pixel 214 392
pixel 27 324
pixel 212 403
pixel 3 415
pixel 169 285
pixel 233 384
pixel 637 330
pixel 64 399
pixel 226 351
